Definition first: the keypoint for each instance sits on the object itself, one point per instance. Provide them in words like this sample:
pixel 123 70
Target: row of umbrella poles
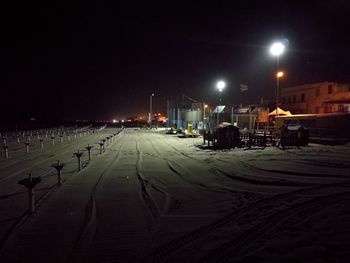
pixel 28 135
pixel 31 182
pixel 41 140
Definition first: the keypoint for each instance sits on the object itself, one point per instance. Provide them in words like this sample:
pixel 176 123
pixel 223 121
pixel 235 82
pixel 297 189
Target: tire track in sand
pixel 89 225
pixel 202 235
pixel 241 245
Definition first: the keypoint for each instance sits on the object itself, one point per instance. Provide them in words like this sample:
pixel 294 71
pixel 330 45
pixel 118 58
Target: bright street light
pixel 277 49
pixel 220 85
pixel 280 74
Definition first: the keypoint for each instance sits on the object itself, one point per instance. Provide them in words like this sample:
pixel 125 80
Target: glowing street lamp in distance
pixel 220 85
pixel 280 74
pixel 205 107
pixel 277 49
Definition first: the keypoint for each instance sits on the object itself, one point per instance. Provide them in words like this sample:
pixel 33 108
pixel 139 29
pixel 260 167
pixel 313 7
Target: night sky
pixel 99 60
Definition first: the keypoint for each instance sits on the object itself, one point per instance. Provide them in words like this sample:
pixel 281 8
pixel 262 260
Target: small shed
pixel 227 136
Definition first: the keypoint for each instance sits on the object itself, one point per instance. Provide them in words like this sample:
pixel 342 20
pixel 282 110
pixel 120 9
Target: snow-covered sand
pixel 152 197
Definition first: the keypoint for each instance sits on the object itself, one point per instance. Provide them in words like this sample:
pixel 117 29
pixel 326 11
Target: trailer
pixel 324 127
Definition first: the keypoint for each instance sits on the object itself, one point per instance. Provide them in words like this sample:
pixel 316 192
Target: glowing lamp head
pixel 205 105
pixel 277 49
pixel 220 85
pixel 280 74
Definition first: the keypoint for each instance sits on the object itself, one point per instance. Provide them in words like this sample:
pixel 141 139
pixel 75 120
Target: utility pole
pixel 150 109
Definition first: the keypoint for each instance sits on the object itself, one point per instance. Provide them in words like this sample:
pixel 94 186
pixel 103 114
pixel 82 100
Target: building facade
pixel 323 97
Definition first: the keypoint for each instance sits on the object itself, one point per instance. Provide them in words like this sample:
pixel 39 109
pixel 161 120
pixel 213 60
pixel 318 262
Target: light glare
pixel 280 74
pixel 221 85
pixel 277 49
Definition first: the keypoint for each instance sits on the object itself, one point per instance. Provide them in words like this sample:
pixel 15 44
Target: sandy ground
pixel 152 197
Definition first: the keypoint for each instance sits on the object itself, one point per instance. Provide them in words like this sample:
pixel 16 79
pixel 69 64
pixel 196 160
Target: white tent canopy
pixel 279 112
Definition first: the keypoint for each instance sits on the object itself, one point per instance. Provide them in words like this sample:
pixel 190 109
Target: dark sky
pixel 102 60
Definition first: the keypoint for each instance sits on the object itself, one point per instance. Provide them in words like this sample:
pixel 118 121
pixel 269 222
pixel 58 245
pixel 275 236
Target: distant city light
pixel 123 120
pixel 277 48
pixel 114 121
pixel 220 85
pixel 280 74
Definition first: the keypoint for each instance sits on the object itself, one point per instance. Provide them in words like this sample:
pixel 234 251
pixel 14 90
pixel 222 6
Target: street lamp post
pixel 204 107
pixel 276 50
pixel 278 76
pixel 150 110
pixel 220 85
